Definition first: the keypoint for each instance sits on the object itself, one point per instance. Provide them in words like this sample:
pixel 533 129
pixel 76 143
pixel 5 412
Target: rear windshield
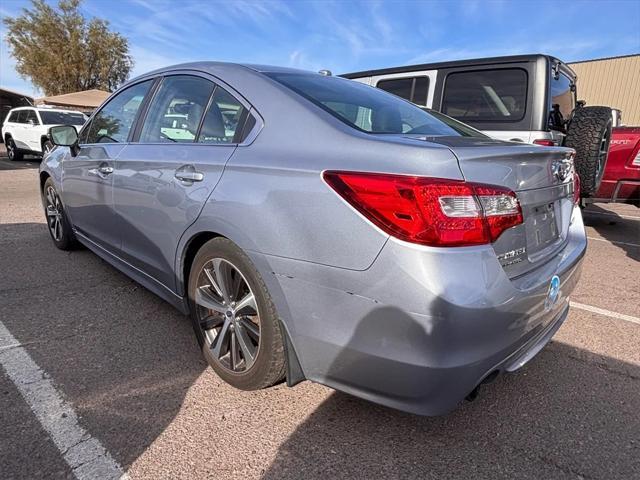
pixel 62 118
pixel 363 107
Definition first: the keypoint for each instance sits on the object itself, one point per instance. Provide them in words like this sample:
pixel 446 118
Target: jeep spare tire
pixel 589 134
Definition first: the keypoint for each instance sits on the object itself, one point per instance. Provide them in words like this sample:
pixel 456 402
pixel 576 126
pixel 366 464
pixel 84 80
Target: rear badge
pixel 554 292
pixel 510 258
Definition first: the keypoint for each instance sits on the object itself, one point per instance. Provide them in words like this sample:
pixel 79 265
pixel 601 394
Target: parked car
pixel 25 129
pixel 523 98
pixel 327 230
pixel 621 180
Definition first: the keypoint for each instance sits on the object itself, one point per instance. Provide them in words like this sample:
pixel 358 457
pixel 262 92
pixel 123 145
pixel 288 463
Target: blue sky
pixel 347 36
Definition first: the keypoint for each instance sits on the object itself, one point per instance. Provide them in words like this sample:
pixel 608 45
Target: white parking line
pixel 607 313
pixel 615 242
pixel 85 455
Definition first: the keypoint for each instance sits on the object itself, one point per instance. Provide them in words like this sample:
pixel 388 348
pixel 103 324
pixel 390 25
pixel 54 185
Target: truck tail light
pixel 545 142
pixel 429 211
pixel 576 188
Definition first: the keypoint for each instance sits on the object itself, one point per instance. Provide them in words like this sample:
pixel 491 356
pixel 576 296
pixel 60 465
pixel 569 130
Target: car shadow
pixel 566 414
pixel 622 232
pixel 122 356
pixel 29 162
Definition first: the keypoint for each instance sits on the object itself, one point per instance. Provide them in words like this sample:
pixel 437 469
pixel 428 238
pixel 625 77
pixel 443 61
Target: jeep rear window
pixel 363 107
pixel 62 118
pixel 498 95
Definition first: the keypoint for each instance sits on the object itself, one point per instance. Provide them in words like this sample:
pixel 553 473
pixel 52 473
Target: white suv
pixel 25 129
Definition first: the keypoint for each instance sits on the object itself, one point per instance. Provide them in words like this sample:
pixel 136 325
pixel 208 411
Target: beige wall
pixel 613 82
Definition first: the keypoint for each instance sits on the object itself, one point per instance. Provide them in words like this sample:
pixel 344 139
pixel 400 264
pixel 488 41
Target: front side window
pixel 363 107
pixel 113 123
pixel 62 118
pixel 223 120
pixel 176 110
pixel 562 101
pixel 486 95
pixel 414 89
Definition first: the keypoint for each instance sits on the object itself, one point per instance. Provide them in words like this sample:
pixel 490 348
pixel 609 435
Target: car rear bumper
pixel 421 328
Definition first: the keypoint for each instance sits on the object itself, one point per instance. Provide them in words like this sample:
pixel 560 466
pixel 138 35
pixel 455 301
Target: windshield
pixel 62 118
pixel 363 107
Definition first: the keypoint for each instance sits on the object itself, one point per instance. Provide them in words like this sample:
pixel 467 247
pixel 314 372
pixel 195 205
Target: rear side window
pixel 21 117
pixel 562 100
pixel 224 119
pixel 486 95
pixel 31 117
pixel 414 89
pixel 176 110
pixel 113 123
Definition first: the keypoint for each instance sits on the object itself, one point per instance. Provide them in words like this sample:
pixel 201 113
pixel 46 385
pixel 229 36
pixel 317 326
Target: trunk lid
pixel 542 179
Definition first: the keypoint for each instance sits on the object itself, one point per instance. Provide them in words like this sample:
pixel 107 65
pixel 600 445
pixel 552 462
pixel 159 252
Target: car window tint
pixel 62 118
pixel 486 95
pixel 13 117
pixel 414 89
pixel 22 116
pixel 31 117
pixel 176 110
pixel 114 121
pixel 222 119
pixel 366 108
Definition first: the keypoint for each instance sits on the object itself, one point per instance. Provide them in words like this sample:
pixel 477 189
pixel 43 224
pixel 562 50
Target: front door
pixel 162 180
pixel 87 182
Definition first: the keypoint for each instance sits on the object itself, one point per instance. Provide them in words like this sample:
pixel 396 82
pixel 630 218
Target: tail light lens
pixel 545 142
pixel 429 211
pixel 576 188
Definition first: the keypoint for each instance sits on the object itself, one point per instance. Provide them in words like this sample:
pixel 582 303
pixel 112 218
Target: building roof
pixel 88 98
pixel 14 93
pixel 605 58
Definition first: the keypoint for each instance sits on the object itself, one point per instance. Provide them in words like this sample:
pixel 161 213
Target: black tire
pixel 589 133
pixel 61 233
pixel 13 153
pixel 47 146
pixel 268 368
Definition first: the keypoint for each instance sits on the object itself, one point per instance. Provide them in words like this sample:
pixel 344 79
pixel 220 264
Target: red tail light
pixel 576 188
pixel 429 211
pixel 544 142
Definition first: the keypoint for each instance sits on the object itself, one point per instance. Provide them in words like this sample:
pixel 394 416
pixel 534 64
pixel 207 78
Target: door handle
pixel 101 171
pixel 188 175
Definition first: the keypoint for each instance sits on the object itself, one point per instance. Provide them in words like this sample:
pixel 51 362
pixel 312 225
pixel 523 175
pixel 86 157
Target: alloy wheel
pixel 54 213
pixel 228 315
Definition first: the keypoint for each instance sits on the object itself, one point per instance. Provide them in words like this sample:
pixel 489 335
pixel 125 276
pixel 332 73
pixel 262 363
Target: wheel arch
pixel 193 243
pixel 43 178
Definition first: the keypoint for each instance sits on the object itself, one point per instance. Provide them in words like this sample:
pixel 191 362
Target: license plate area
pixel 542 226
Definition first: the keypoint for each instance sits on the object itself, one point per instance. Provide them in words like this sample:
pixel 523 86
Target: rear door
pixel 32 131
pixel 87 182
pixel 163 179
pixel 18 129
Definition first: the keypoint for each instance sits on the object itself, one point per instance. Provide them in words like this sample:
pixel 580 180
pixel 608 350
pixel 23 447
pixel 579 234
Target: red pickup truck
pixel 621 179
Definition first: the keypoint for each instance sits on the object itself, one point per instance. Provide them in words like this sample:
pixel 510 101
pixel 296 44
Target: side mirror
pixel 31 122
pixel 65 136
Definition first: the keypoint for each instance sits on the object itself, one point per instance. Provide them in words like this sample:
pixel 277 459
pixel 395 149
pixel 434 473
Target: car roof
pixel 214 68
pixel 454 63
pixel 46 109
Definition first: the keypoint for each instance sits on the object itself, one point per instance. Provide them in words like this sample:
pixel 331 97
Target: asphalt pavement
pixel 124 369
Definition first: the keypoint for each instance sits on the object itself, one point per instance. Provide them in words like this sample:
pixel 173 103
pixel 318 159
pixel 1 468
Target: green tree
pixel 61 51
